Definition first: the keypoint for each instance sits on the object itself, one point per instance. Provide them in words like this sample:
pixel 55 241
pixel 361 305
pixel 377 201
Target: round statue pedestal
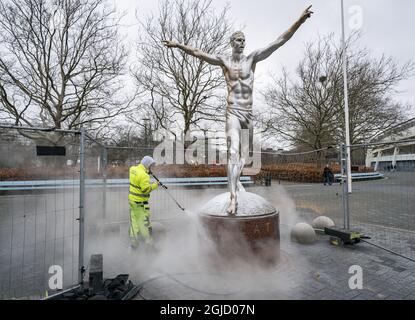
pixel 252 235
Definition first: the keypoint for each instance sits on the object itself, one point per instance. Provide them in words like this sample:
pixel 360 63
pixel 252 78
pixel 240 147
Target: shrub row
pixel 296 172
pixel 36 173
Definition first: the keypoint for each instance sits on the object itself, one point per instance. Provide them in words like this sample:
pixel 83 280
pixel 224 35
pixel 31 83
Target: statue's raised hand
pixel 169 44
pixel 306 14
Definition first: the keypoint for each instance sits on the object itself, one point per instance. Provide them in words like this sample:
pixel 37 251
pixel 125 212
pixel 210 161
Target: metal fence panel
pixel 295 177
pixel 384 209
pixel 301 175
pixel 39 207
pixel 42 198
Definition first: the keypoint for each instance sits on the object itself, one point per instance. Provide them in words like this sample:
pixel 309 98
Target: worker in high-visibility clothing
pixel 139 195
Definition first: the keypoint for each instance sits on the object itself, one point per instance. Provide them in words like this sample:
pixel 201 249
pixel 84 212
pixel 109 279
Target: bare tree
pixel 60 63
pixel 185 89
pixel 308 109
pixel 155 116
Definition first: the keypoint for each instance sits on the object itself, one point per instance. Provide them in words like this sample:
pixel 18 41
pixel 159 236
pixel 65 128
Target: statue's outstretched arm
pixel 264 53
pixel 209 58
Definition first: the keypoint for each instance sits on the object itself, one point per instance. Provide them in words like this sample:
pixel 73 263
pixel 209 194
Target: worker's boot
pixel 134 243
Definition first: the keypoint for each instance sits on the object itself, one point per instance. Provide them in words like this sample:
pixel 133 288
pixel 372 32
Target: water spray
pixel 167 191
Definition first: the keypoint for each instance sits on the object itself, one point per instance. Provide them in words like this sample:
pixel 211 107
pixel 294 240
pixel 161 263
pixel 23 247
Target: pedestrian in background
pixel 328 175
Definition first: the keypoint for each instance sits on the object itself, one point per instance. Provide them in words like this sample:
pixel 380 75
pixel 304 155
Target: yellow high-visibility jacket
pixel 140 186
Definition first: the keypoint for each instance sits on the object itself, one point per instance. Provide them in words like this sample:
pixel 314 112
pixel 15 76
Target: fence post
pixel 81 219
pixel 345 186
pixel 104 173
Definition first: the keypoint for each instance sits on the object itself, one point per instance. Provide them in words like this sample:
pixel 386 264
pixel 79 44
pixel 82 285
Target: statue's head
pixel 238 41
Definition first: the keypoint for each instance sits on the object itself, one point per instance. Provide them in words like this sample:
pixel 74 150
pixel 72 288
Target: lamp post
pixel 346 103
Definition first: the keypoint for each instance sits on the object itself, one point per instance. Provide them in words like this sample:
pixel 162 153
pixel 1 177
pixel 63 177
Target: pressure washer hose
pixel 141 285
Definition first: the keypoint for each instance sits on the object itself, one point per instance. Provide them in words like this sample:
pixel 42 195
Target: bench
pixel 362 176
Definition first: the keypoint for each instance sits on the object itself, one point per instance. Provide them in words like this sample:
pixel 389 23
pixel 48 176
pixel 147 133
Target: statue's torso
pixel 239 76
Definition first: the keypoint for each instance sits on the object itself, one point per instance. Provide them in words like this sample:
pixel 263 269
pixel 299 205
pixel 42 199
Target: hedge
pixel 296 172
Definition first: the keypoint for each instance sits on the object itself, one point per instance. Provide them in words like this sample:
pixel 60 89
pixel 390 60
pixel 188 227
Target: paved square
pixel 316 271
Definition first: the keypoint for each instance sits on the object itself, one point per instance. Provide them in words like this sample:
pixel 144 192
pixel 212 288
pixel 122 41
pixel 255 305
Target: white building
pixel 394 154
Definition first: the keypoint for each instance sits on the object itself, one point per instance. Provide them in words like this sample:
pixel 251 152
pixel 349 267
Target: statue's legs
pixel 235 163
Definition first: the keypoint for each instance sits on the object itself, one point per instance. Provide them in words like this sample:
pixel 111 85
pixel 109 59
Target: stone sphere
pixel 303 233
pixel 322 222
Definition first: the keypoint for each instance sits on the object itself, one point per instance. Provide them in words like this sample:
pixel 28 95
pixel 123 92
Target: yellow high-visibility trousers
pixel 140 226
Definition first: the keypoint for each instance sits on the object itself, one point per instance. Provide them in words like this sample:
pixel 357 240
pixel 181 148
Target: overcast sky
pixel 388 28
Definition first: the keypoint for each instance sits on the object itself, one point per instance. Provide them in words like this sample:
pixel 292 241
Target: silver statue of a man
pixel 238 70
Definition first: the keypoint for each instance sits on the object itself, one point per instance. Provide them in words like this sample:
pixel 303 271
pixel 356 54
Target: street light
pixel 346 104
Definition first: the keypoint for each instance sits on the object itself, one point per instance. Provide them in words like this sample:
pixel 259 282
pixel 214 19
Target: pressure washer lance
pixel 166 189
